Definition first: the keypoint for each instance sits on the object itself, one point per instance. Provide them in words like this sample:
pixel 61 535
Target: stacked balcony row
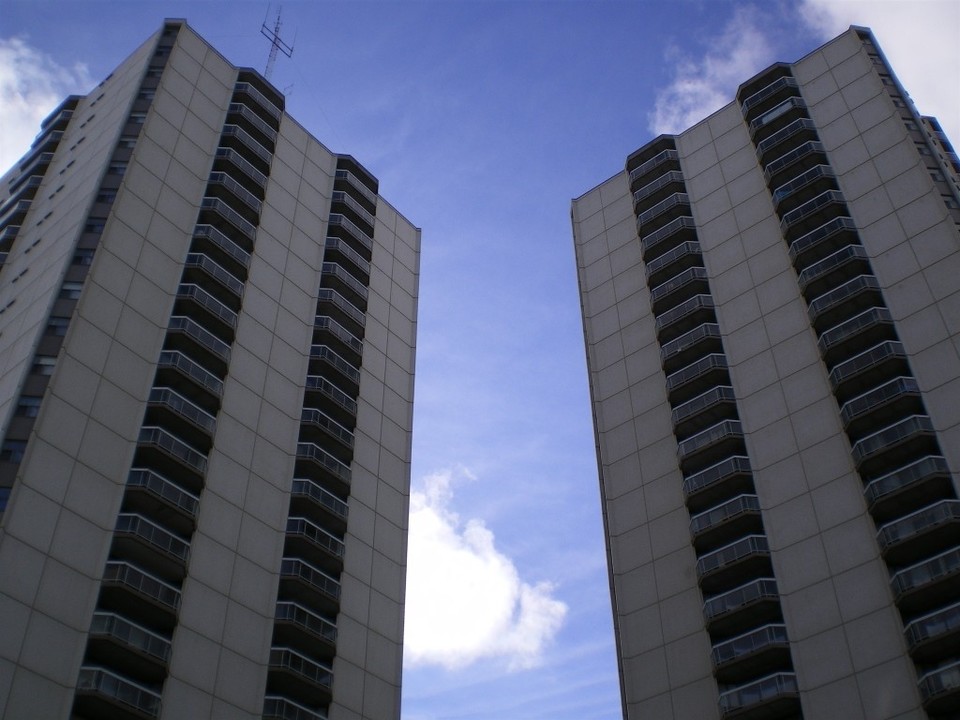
pixel 894 444
pixel 746 628
pixel 128 648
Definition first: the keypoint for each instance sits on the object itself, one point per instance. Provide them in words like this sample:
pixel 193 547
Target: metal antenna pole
pixel 273 35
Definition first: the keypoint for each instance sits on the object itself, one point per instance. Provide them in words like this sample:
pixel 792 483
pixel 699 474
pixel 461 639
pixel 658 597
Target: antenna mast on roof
pixel 275 42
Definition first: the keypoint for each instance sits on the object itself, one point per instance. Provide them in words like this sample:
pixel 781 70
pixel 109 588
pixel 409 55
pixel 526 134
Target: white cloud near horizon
pixel 465 599
pixel 31 85
pixel 701 86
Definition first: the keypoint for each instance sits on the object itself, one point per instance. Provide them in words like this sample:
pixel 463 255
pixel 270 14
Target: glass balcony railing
pixel 689 310
pixel 695 370
pixel 330 426
pixel 288 660
pixel 154 535
pixel 870 324
pixel 740 598
pixel 316 535
pixel 737 507
pixel 802 181
pixel 687 341
pixel 183 325
pixel 811 151
pixel 186 367
pixel 670 178
pixel 933 570
pixel 940 624
pixel 865 361
pixel 842 296
pixel 231 216
pixel 192 291
pixel 769 636
pixel 339 196
pixel 831 200
pixel 357 185
pixel 772 688
pixel 236 108
pixel 328 295
pixel 658 238
pixel 854 255
pixel 930 469
pixel 939 682
pixel 173 447
pixel 316 454
pixel 164 489
pixel 276 707
pixel 352 229
pixel 118 690
pixel 709 438
pixel 296 569
pixel 317 626
pixel 139 639
pixel 320 384
pixel 142 583
pixel 237 189
pixel 326 499
pixel 223 243
pixel 732 467
pixel 339 246
pixel 693 275
pixel 798 126
pixel 331 358
pixel 163 397
pixel 716 396
pixel 776 87
pixel 872 400
pixel 679 199
pixel 248 142
pixel 882 441
pixel 778 111
pixel 686 254
pixel 825 239
pixel 261 100
pixel 246 167
pixel 732 554
pixel 919 522
pixel 656 161
pixel 333 270
pixel 328 326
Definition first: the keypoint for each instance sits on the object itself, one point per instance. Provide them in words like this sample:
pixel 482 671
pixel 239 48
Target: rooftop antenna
pixel 273 35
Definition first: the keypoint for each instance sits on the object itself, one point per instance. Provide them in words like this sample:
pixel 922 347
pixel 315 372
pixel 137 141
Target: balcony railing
pixel 291 661
pixel 712 436
pixel 296 569
pixel 805 179
pixel 737 465
pixel 142 583
pixel 164 489
pixel 176 360
pixel 319 456
pixel 944 680
pixel 139 639
pixel 732 554
pixel 874 317
pixel 202 336
pixel 654 162
pixel 744 596
pixel 688 276
pixel 154 535
pixel 829 231
pixel 245 88
pixel 689 251
pixel 688 340
pixel 235 219
pixel 216 271
pixel 329 295
pixel 928 519
pixel 118 690
pixel 842 295
pixel 675 200
pixel 276 707
pixel 352 229
pixel 763 638
pixel 674 176
pixel 880 396
pixel 330 426
pixel 931 627
pixel 251 117
pixel 223 243
pixel 792 103
pixel 326 499
pixel 658 237
pixel 192 291
pixel 327 355
pixel 176 403
pixel 320 384
pixel 737 507
pixel 809 148
pixel 777 86
pixel 884 440
pixel 336 271
pixel 249 142
pixel 317 536
pixel 719 395
pixel 778 686
pixel 780 136
pixel 237 189
pixel 891 485
pixel 925 573
pixel 339 196
pixel 245 166
pixel 685 311
pixel 850 254
pixel 887 350
pixel 357 185
pixel 177 449
pixel 811 208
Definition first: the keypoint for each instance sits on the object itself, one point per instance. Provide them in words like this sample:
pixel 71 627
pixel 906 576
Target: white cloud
pixel 31 85
pixel 702 86
pixel 918 38
pixel 465 599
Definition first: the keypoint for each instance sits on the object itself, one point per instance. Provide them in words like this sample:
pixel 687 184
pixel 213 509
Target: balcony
pixel 657 161
pixel 310 499
pixel 342 227
pixel 682 318
pixel 814 181
pixel 356 184
pixel 912 486
pixel 240 114
pixel 150 546
pixel 657 190
pixel 696 378
pixel 734 564
pixel 856 334
pixel 747 655
pixel 165 404
pixel 903 441
pixel 927 584
pixel 769 96
pixel 670 236
pixel 208 239
pixel 171 456
pixel 357 212
pixel 327 427
pixel 776 117
pixel 691 346
pixel 118 642
pixel 236 138
pixel 276 707
pixel 881 406
pixel 935 635
pixel 799 131
pixel 822 241
pixel 270 109
pixel 813 213
pixel 868 369
pixel 683 256
pixel 706 409
pixel 940 690
pixel 842 266
pixel 294 674
pixel 326 328
pixel 150 493
pixel 725 523
pixel 301 581
pixel 201 269
pixel 663 212
pixel 775 696
pixel 225 155
pixel 689 281
pixel 745 607
pixel 216 212
pixel 348 374
pixel 356 260
pixel 330 302
pixel 798 160
pixel 920 533
pixel 337 278
pixel 710 446
pixel 14 213
pixel 311 542
pixel 315 463
pixel 223 186
pixel 135 593
pixel 186 334
pixel 106 695
pixel 339 405
pixel 176 370
pixel 218 315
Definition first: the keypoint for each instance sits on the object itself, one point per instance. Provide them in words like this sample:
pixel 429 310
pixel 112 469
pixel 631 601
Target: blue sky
pixel 482 119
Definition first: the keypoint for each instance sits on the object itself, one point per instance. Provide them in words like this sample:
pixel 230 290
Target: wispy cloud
pixel 703 85
pixel 31 85
pixel 466 600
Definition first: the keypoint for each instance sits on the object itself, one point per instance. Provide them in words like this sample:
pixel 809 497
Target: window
pixel 29 406
pixel 83 256
pixel 12 450
pixel 43 365
pixel 57 326
pixel 71 290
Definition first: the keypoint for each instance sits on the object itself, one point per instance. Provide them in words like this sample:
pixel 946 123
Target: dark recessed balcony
pixel 276 707
pixel 881 406
pixel 676 232
pixel 734 564
pixel 200 269
pixel 704 410
pixel 269 109
pixel 855 335
pixel 743 608
pixel 940 689
pixel 868 369
pixel 339 249
pixel 324 358
pixel 682 318
pixel 655 191
pixel 236 138
pixel 901 442
pixel 329 331
pixel 802 187
pixel 317 425
pixel 14 213
pixel 301 581
pixel 315 463
pixel 683 256
pixel 822 241
pixel 194 340
pixel 920 533
pixel 844 301
pixel 106 695
pixel 835 269
pixel 222 248
pixel 308 498
pixel 160 450
pixel 776 118
pixel 308 540
pixel 292 673
pixel 726 522
pixel 337 278
pixel 712 485
pixel 928 584
pixel 680 287
pixel 344 203
pixel 696 378
pixel 745 656
pixel 137 594
pixel 709 446
pixel 794 162
pixel 150 493
pixel 189 378
pixel 786 138
pixel 672 207
pixel 331 400
pixel 150 546
pixel 661 162
pixel 229 158
pixel 217 212
pixel 813 213
pixel 241 115
pixel 225 187
pixel 115 641
pixel 909 487
pixel 773 697
pixel 934 636
pixel 690 347
pixel 172 410
pixel 332 303
pixel 355 185
pixel 769 96
pixel 343 227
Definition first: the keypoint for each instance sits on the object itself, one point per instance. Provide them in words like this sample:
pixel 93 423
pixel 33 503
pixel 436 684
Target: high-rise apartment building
pixel 771 306
pixel 207 331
